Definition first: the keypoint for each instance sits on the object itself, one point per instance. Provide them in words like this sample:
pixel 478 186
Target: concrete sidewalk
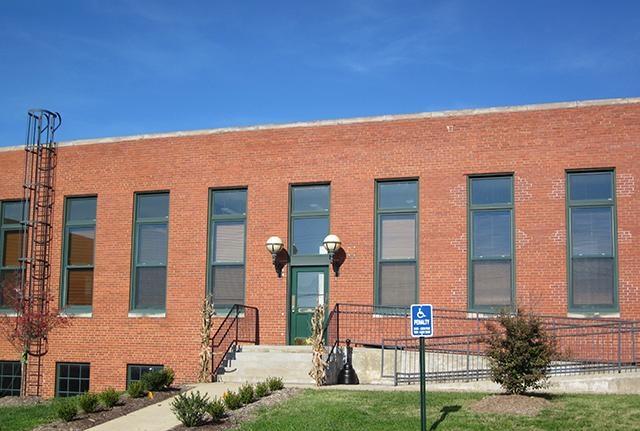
pixel 158 417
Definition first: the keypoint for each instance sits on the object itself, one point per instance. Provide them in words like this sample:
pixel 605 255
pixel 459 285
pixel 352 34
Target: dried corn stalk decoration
pixel 319 370
pixel 205 341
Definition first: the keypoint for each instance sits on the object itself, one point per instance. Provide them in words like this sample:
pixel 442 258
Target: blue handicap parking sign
pixel 421 320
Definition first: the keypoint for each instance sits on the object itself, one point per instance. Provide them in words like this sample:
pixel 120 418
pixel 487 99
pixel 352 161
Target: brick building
pixel 477 209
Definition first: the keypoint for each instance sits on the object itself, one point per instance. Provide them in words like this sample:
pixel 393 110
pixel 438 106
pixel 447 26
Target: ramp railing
pixel 457 352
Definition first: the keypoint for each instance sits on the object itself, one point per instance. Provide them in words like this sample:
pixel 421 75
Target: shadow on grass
pixel 444 412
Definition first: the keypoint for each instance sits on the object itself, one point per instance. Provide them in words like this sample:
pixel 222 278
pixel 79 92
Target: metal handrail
pixel 228 334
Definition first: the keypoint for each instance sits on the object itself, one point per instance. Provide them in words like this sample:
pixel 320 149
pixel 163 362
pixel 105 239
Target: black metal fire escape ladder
pixel 39 196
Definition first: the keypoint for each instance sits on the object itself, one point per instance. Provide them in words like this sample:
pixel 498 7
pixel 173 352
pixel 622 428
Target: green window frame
pixel 9 270
pixel 228 270
pixel 302 217
pixel 488 207
pixel 386 216
pixel 10 378
pixel 135 371
pixel 72 378
pixel 148 218
pixel 576 261
pixel 78 227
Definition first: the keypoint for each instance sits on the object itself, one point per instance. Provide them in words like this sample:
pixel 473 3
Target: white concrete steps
pixel 256 363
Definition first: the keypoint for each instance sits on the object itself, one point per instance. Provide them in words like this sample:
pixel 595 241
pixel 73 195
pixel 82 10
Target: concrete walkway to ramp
pixel 158 417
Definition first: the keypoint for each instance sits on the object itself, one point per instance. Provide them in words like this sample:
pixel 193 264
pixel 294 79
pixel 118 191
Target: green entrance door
pixel 308 290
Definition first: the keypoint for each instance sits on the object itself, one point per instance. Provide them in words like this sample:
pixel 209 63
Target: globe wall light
pixel 333 245
pixel 279 254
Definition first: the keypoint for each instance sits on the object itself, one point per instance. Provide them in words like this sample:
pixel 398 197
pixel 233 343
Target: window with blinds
pixel 227 233
pixel 78 253
pixel 491 242
pixel 592 241
pixel 396 245
pixel 150 244
pixel 11 214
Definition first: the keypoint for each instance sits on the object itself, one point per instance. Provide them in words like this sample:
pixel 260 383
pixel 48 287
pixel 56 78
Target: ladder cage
pixel 37 231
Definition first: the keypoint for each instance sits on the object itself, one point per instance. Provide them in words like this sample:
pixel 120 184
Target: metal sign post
pixel 421 327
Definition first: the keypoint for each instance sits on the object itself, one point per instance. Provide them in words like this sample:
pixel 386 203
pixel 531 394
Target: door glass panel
pixel 310 289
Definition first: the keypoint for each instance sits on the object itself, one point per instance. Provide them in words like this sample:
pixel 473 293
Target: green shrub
pixel 158 380
pixel 262 389
pixel 109 397
pixel 136 389
pixel 88 402
pixel 246 392
pixel 275 384
pixel 216 409
pixel 519 352
pixel 232 400
pixel 190 408
pixel 67 409
pixel 169 376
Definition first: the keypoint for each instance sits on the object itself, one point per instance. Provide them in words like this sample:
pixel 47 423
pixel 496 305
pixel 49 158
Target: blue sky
pixel 122 67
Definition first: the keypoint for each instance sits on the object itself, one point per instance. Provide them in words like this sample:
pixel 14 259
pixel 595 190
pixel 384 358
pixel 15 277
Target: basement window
pixel 72 379
pixel 136 371
pixel 10 378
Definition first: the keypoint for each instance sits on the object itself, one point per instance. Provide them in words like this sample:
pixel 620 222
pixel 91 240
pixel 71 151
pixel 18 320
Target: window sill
pixel 594 314
pixel 76 313
pixel 221 314
pixel 151 314
pixel 481 315
pixel 8 312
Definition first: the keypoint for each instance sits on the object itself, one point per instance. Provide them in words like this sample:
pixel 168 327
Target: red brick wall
pixel 536 145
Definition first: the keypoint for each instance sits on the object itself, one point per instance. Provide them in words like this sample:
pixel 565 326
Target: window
pixel 309 219
pixel 491 242
pixel 135 372
pixel 150 251
pixel 592 241
pixel 78 253
pixel 71 379
pixel 10 378
pixel 396 243
pixel 11 214
pixel 227 247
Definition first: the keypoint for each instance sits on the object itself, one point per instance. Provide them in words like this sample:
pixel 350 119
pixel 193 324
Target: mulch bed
pixel 246 413
pixel 525 405
pixel 126 405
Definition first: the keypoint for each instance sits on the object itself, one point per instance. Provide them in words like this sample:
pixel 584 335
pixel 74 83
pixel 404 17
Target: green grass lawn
pixel 26 418
pixel 333 410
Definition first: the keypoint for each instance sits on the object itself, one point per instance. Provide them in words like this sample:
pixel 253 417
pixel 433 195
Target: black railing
pixel 241 325
pixel 457 351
